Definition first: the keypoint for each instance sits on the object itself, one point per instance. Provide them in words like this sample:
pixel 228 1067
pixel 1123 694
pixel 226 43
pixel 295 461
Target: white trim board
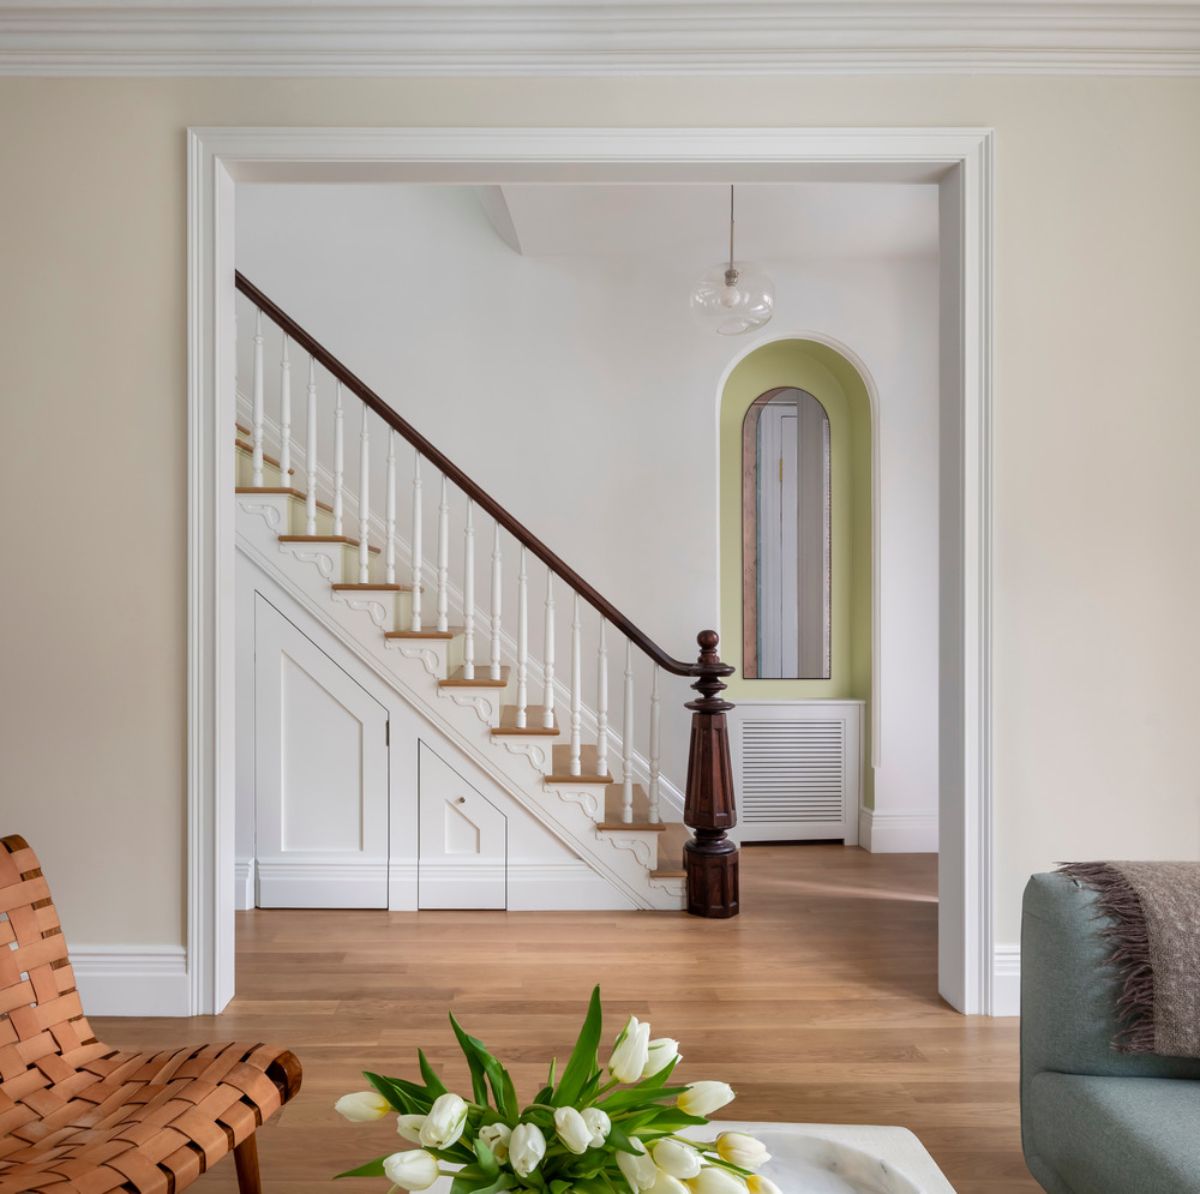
pixel 1006 980
pixel 596 37
pixel 898 833
pixel 132 980
pixel 961 159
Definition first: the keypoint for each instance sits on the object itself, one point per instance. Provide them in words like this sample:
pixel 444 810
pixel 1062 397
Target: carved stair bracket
pixel 268 512
pixel 373 607
pixel 483 706
pixel 531 750
pixel 710 858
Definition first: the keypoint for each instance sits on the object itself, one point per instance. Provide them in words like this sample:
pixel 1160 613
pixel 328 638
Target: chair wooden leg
pixel 245 1160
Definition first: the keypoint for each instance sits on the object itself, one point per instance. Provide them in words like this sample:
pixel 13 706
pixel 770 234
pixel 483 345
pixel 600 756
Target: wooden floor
pixel 819 1004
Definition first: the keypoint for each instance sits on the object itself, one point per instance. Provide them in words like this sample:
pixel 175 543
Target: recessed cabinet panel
pixel 321 776
pixel 463 841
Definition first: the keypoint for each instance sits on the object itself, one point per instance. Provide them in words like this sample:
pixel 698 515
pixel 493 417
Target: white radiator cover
pixel 798 770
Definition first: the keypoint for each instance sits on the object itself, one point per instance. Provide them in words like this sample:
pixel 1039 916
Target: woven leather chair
pixel 79 1117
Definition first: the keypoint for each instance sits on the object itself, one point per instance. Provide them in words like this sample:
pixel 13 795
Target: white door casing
pixel 464 841
pixel 321 776
pixel 959 159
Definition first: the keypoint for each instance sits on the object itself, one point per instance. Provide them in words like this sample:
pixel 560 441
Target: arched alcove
pixel 822 371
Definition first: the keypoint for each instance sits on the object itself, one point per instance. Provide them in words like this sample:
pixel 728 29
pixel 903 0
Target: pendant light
pixel 733 297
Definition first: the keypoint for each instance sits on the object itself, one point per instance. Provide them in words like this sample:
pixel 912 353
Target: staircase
pixel 334 543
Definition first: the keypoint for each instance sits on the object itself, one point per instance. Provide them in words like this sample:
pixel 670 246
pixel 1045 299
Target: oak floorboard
pixel 819 1003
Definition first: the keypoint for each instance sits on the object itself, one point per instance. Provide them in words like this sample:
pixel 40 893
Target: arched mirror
pixel 786 532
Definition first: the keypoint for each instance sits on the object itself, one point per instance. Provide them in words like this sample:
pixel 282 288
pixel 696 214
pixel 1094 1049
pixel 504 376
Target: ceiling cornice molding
pixel 595 37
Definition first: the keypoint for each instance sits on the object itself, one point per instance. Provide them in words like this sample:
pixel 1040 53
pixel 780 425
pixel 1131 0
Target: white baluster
pixel 469 596
pixel 655 747
pixel 285 417
pixel 548 652
pixel 390 548
pixel 522 642
pixel 627 740
pixel 602 702
pixel 418 548
pixel 339 462
pixel 364 501
pixel 443 561
pixel 256 430
pixel 310 453
pixel 576 693
pixel 494 669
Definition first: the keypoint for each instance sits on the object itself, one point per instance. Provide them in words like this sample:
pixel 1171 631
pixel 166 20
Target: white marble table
pixel 831 1158
pixel 841 1158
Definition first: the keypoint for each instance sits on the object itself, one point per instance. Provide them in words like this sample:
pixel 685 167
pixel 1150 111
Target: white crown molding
pixel 592 37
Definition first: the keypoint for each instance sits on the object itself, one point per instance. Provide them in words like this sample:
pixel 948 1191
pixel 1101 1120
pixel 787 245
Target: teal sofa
pixel 1093 1121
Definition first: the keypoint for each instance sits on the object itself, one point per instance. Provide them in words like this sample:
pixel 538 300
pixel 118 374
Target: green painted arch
pixel 839 385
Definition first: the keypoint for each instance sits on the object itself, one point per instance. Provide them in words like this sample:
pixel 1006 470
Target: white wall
pixel 578 391
pixel 1097 645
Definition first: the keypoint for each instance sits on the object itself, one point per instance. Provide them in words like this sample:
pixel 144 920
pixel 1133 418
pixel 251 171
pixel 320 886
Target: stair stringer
pixel 464 716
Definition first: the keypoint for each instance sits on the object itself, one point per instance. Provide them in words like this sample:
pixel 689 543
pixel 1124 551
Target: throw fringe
pixel 1130 941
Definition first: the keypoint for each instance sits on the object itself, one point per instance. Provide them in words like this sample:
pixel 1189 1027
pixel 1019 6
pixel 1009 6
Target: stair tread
pixel 533 723
pixel 561 767
pixel 247 446
pixel 348 540
pixel 427 632
pixel 483 678
pixel 613 803
pixel 299 494
pixel 370 587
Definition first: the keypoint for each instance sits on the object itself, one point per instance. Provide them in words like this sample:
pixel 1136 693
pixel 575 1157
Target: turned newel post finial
pixel 710 858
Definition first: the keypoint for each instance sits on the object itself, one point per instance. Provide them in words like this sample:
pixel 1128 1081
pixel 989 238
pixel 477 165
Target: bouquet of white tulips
pixel 593 1130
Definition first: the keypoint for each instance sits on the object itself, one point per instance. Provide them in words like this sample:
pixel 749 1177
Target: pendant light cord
pixel 731 273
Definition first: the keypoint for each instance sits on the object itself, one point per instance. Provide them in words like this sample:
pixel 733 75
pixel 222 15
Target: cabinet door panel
pixel 463 841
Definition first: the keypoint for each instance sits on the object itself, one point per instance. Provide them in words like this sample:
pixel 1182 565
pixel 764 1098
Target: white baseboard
pixel 291 883
pixel 898 833
pixel 1006 980
pixel 569 885
pixel 132 980
pixel 243 884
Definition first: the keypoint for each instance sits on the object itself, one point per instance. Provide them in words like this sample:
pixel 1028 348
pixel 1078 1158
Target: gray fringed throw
pixel 1155 933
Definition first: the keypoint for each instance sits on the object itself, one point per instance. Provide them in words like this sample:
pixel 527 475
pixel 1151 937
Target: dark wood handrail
pixel 480 497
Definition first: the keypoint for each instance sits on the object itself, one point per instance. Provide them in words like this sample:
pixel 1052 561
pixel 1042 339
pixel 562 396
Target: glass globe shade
pixel 733 301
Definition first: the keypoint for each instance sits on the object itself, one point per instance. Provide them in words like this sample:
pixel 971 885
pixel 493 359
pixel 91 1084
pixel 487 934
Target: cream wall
pixel 1096 425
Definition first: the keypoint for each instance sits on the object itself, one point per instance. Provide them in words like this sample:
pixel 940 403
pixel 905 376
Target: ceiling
pixel 774 221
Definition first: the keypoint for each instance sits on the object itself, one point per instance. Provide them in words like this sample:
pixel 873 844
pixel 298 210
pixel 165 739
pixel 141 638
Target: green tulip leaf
pixel 405 1097
pixel 487 1159
pixel 472 1049
pixel 583 1063
pixel 433 1083
pixel 370 1169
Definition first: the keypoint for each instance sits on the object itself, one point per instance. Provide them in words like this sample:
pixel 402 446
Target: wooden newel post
pixel 710 858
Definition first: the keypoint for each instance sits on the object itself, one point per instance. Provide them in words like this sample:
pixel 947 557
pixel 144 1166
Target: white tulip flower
pixel 638 1168
pixel 526 1148
pixel 598 1124
pixel 741 1150
pixel 659 1055
pixel 714 1180
pixel 414 1169
pixel 629 1054
pixel 409 1126
pixel 572 1130
pixel 676 1158
pixel 757 1184
pixel 363 1106
pixel 445 1122
pixel 496 1137
pixel 703 1098
pixel 664 1183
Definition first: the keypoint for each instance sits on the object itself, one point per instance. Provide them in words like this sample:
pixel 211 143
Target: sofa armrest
pixel 1069 994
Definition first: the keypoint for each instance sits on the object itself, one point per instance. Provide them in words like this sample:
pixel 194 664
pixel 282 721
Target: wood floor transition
pixel 819 1004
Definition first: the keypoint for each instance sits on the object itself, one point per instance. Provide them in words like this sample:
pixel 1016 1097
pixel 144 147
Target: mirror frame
pixel 750 542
